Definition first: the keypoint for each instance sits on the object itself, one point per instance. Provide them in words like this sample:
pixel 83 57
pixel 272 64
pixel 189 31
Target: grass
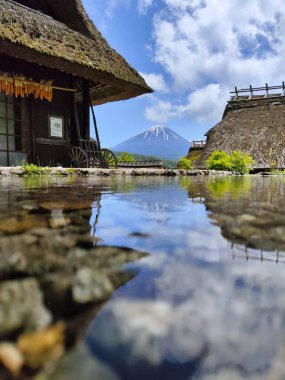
pixel 35 170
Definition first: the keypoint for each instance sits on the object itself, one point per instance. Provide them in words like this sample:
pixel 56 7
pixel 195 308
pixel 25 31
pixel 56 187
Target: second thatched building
pixel 251 123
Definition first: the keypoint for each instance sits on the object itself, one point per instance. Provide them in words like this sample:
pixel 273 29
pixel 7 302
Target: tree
pixel 241 162
pixel 127 157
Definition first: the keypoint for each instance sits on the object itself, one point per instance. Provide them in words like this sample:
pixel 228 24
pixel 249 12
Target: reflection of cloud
pixel 233 313
pixel 207 247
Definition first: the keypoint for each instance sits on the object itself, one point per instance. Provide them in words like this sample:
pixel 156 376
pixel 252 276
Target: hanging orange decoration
pixel 18 85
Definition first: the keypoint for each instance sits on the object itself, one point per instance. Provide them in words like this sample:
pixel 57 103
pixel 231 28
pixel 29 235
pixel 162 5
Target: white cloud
pixel 144 5
pixel 207 48
pixel 184 4
pixel 155 81
pixel 204 105
pixel 160 111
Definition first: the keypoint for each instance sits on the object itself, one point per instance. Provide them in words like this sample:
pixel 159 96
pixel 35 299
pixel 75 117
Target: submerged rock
pixel 68 205
pixel 21 307
pixel 21 224
pixel 11 358
pixel 91 286
pixel 43 346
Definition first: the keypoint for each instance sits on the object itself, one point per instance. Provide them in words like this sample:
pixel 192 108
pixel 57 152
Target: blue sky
pixel 192 52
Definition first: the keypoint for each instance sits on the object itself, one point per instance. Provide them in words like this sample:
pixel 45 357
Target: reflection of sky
pixel 164 215
pixel 193 311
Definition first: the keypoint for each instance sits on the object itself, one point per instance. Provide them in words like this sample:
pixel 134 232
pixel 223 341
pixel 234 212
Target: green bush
pixel 241 162
pixel 237 161
pixel 127 157
pixel 184 163
pixel 219 160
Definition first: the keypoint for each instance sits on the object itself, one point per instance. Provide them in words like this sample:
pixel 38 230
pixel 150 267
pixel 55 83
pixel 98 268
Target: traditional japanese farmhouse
pixel 253 122
pixel 54 64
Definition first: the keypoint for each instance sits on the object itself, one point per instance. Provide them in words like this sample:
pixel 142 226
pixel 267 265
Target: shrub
pixel 219 160
pixel 241 162
pixel 237 161
pixel 127 157
pixel 185 164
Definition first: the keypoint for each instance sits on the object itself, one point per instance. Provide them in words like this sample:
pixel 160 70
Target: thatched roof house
pixel 255 125
pixel 51 56
pixel 59 35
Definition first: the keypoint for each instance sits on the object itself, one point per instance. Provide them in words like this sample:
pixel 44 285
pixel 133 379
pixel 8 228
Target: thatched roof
pixel 61 36
pixel 256 126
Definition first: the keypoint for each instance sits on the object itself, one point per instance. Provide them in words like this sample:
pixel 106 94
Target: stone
pixel 21 307
pixel 44 346
pixel 90 285
pixel 58 220
pixel 11 358
pixel 139 234
pixel 247 218
pixel 22 224
pixel 68 205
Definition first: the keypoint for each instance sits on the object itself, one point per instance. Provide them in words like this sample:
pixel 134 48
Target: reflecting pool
pixel 202 290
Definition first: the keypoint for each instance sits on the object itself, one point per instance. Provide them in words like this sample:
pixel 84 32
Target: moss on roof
pixel 256 126
pixel 36 37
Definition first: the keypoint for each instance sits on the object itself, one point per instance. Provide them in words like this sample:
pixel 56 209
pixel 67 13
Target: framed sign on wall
pixel 56 127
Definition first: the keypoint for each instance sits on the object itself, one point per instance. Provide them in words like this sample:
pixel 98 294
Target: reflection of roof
pixel 60 35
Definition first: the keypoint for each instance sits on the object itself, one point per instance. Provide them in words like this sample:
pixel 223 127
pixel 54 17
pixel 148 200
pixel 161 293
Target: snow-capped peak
pixel 157 130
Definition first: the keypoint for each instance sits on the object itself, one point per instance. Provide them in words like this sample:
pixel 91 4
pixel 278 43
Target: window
pixel 13 130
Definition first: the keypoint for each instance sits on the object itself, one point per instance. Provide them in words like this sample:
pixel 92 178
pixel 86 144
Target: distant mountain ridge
pixel 156 141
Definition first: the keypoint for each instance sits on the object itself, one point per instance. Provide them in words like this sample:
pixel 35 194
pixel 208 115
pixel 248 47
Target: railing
pixel 198 144
pixel 240 252
pixel 249 92
pixel 140 164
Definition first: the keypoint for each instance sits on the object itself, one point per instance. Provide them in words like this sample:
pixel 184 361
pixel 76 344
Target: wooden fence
pixel 257 92
pixel 198 144
pixel 141 164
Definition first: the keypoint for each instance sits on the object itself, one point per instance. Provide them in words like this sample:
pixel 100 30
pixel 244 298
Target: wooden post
pixel 77 125
pixel 236 91
pixel 283 89
pixel 267 93
pixel 85 110
pixel 251 92
pixel 101 158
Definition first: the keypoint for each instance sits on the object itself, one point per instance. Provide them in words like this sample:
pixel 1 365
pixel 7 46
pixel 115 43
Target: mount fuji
pixel 156 141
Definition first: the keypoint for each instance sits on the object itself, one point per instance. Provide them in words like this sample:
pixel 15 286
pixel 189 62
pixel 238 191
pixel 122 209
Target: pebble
pixel 11 358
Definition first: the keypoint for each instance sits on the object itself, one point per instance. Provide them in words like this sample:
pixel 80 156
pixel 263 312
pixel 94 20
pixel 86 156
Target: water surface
pixel 208 302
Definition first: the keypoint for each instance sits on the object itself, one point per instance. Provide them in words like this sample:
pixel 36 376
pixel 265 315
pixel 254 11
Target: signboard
pixel 56 127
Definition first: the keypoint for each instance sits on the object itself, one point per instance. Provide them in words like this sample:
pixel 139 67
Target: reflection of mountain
pixel 249 210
